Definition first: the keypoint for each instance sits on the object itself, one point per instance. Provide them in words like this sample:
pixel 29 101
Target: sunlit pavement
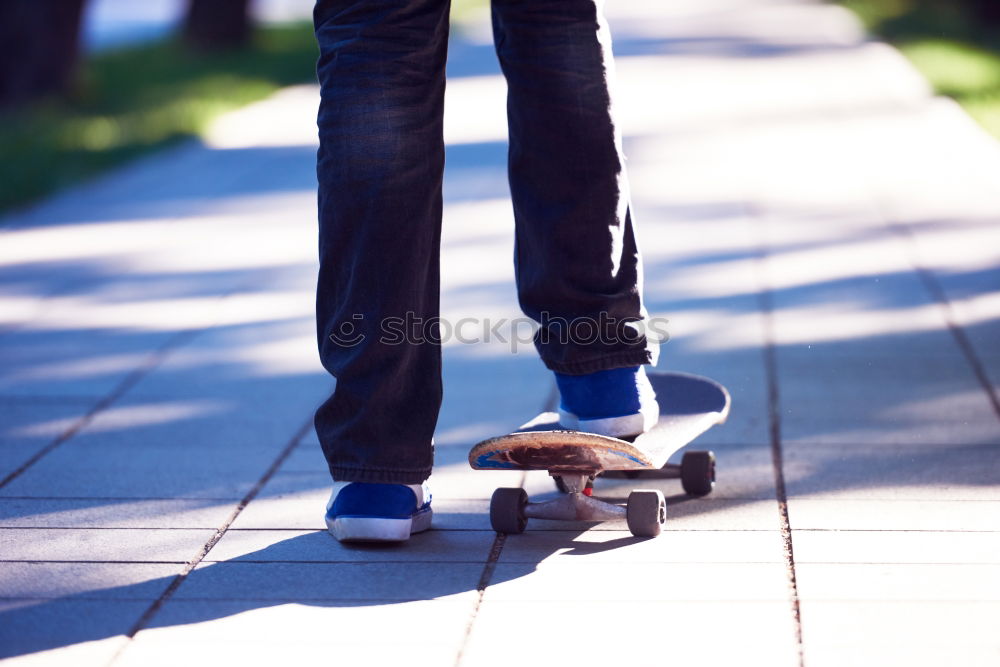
pixel 823 236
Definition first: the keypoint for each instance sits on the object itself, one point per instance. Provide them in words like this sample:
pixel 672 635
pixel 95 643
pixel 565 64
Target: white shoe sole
pixel 370 529
pixel 615 427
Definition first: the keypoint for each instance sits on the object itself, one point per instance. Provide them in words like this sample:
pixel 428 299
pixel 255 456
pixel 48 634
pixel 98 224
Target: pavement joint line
pixel 152 360
pixel 150 612
pixel 766 303
pixel 278 561
pixel 319 531
pixel 550 561
pixel 276 530
pixel 937 292
pixel 94 562
pixel 286 599
pixel 406 561
pixel 63 599
pixel 9 399
pixel 201 528
pixel 490 567
pixel 665 530
pixel 484 581
pixel 890 530
pixel 910 564
pixel 129 498
pixel 656 601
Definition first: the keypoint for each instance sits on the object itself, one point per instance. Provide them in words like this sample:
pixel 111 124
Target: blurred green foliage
pixel 954 43
pixel 135 100
pixel 468 9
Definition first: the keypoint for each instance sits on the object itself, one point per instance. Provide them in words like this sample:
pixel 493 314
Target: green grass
pixel 464 9
pixel 969 74
pixel 133 101
pixel 957 54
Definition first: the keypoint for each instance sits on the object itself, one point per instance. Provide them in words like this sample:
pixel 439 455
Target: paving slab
pixel 37 362
pixel 966 582
pixel 162 449
pixel 106 544
pixel 674 546
pixel 316 627
pixel 28 427
pixel 846 513
pixel 167 652
pixel 711 513
pixel 124 471
pixel 318 546
pixel 580 580
pixel 258 366
pixel 306 457
pixel 307 582
pixel 112 513
pixel 638 632
pixel 698 263
pixel 847 394
pixel 442 620
pixel 90 631
pixel 895 546
pixel 87 581
pixel 893 472
pixel 909 653
pixel 949 228
pixel 201 423
pixel 910 632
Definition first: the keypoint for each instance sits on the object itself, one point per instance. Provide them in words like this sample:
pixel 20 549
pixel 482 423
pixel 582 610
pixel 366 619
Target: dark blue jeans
pixel 380 166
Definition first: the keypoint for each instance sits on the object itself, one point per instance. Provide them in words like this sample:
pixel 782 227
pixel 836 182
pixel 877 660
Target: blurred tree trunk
pixel 39 47
pixel 212 25
pixel 987 11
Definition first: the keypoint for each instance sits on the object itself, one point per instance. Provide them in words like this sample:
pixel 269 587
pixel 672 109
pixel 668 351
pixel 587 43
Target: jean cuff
pixel 380 475
pixel 638 357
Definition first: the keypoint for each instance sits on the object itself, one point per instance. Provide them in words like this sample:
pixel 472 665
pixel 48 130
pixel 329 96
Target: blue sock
pixel 612 393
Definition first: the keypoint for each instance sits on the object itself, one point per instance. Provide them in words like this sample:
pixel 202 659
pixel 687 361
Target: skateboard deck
pixel 689 406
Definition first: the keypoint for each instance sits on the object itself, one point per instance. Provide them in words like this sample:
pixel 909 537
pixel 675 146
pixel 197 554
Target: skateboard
pixel 689 406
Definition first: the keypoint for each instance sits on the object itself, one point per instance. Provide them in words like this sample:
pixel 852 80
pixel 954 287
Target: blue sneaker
pixel 361 512
pixel 620 402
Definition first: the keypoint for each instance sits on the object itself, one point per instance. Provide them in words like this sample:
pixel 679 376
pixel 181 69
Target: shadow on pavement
pixel 310 569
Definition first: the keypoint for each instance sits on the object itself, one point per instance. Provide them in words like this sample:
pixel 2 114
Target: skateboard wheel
pixel 507 511
pixel 646 513
pixel 698 473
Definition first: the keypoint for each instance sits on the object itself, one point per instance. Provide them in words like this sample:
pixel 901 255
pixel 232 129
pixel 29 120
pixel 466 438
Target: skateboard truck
pixel 689 406
pixel 510 510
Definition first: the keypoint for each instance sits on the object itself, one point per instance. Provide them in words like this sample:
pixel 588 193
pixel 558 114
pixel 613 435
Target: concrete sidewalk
pixel 823 235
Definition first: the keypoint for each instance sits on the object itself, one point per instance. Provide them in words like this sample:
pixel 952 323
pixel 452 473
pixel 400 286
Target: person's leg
pixel 380 164
pixel 578 267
